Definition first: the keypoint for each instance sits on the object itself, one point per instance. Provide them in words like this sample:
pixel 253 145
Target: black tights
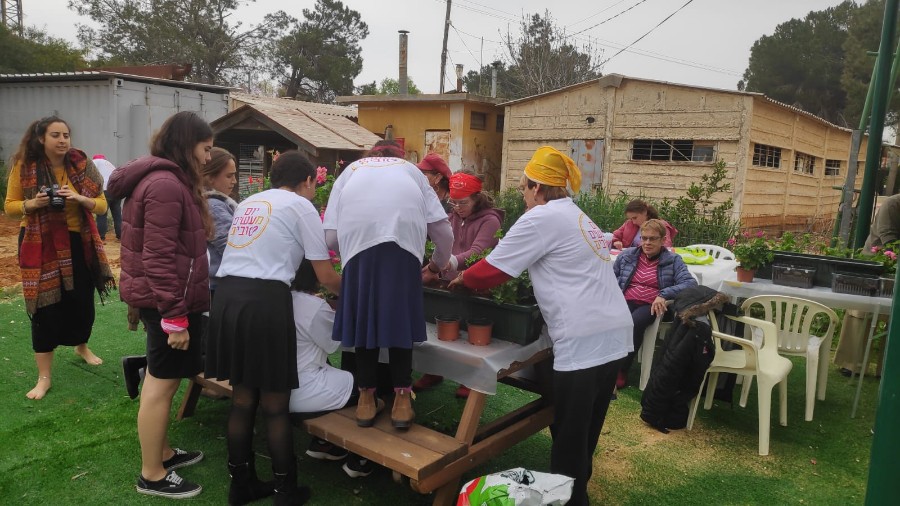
pixel 367 367
pixel 244 402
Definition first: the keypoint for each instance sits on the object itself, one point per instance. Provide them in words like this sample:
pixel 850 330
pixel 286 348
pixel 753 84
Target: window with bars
pixel 766 156
pixel 832 167
pixel 662 150
pixel 804 164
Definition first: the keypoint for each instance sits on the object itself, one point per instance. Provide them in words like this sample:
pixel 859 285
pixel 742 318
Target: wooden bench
pixel 192 394
pixel 433 461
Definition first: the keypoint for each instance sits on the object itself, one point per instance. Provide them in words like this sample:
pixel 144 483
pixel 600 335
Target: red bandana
pixel 462 185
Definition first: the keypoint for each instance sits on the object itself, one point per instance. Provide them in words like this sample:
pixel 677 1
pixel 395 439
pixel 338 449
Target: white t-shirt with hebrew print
pixel 271 233
pixel 378 200
pixel 567 257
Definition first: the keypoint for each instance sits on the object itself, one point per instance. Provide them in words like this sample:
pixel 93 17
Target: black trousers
pixel 580 401
pixel 640 315
pixel 367 367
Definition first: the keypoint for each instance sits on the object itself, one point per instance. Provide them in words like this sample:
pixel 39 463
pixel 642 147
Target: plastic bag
pixel 694 256
pixel 517 487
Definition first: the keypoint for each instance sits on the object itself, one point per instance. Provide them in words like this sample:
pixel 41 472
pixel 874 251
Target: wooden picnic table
pixel 434 461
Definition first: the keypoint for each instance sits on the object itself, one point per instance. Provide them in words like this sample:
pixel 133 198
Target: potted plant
pixel 887 256
pixel 752 252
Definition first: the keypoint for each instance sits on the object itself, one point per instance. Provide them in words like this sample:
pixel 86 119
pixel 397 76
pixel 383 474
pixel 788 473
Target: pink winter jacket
pixel 474 234
pixel 164 265
pixel 629 230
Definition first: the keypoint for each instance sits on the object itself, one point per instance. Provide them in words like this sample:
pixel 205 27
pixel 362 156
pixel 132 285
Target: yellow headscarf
pixel 548 166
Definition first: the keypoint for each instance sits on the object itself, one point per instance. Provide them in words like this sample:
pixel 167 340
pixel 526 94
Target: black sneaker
pixel 182 459
pixel 172 486
pixel 131 368
pixel 357 467
pixel 323 450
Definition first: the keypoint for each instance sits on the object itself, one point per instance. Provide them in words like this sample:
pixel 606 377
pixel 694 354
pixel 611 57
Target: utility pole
pixel 11 16
pixel 880 90
pixel 883 483
pixel 444 50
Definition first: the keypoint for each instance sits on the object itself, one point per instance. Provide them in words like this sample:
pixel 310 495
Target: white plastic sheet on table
pixel 470 365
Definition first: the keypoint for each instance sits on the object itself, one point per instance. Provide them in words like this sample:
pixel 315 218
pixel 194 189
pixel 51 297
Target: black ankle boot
pixel 245 486
pixel 131 369
pixel 287 493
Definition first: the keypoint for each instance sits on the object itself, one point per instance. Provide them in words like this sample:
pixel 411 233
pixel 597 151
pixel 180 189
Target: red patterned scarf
pixel 45 257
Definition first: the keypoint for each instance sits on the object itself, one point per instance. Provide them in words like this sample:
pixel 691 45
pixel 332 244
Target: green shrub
pixel 698 219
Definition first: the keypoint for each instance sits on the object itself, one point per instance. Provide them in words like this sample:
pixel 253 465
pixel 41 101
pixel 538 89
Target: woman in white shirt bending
pixel 567 257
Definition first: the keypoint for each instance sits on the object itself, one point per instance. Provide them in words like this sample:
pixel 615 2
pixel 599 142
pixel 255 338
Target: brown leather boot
pixel 366 408
pixel 402 415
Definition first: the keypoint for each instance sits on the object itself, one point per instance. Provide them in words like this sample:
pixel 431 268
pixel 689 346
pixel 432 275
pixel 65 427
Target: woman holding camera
pixel 56 190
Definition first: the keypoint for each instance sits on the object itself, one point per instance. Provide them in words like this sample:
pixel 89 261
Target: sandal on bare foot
pixel 85 353
pixel 40 388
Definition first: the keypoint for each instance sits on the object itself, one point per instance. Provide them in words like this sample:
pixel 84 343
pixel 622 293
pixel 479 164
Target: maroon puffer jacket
pixel 164 264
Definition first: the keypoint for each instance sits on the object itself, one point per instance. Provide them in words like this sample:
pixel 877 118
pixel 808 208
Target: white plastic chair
pixel 648 346
pixel 793 317
pixel 716 252
pixel 756 357
pixel 645 357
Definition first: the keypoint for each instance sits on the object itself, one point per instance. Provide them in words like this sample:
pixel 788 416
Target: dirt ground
pixel 10 278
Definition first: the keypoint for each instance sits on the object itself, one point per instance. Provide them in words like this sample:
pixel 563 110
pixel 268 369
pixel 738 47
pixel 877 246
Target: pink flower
pixel 250 179
pixel 890 254
pixel 760 233
pixel 732 241
pixel 322 215
pixel 875 249
pixel 321 175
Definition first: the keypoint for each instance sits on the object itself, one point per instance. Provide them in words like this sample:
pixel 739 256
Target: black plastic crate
pixel 516 323
pixel 792 275
pixel 855 284
pixel 825 266
pixel 886 287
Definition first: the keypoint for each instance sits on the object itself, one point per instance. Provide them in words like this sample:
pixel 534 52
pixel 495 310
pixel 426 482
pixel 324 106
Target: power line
pixel 608 19
pixel 646 34
pixel 601 11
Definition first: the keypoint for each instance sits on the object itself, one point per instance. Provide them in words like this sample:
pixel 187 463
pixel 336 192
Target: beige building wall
pixel 785 198
pixel 619 110
pixel 469 148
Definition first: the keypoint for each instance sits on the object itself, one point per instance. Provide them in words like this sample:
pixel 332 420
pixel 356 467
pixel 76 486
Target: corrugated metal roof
pixel 288 103
pixel 616 79
pixel 322 131
pixel 98 75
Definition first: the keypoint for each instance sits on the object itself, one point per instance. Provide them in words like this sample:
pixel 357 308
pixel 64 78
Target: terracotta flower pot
pixel 745 275
pixel 447 327
pixel 480 331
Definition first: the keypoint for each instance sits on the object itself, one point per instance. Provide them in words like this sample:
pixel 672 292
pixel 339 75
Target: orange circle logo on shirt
pixel 248 223
pixel 594 237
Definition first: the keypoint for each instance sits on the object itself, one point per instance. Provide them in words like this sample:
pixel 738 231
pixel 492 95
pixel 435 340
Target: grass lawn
pixel 79 444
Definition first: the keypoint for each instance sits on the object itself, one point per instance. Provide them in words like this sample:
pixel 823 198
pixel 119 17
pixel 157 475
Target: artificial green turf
pixel 79 444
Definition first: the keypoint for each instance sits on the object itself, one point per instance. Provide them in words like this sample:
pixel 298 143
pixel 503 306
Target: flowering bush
pixel 752 251
pixel 255 185
pixel 324 183
pixel 886 254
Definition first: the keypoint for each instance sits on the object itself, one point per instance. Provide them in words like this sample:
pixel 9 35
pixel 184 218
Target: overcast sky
pixel 705 43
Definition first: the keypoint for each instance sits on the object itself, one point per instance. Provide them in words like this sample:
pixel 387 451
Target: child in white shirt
pixel 322 387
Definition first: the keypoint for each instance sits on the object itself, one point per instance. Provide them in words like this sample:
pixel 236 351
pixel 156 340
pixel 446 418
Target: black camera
pixel 57 202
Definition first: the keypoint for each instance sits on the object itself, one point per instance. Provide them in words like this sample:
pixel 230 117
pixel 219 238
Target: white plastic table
pixel 823 295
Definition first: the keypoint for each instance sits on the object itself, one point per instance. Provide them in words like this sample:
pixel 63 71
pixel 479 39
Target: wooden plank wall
pixel 635 110
pixel 780 198
pixel 639 109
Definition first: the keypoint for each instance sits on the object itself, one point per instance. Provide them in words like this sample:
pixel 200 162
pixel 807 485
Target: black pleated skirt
pixel 251 339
